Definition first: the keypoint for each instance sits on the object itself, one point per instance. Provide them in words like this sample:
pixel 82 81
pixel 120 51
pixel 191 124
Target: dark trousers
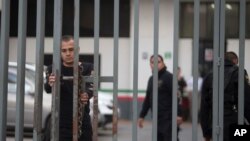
pixel 167 136
pixel 66 135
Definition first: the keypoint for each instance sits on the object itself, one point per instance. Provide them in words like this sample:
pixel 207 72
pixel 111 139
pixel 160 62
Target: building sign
pixel 168 55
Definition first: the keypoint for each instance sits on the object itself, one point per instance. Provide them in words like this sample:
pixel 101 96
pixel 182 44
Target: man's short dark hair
pixel 231 56
pixel 67 38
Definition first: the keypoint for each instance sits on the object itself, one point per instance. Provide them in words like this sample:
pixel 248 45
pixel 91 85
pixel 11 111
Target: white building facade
pixel 126 61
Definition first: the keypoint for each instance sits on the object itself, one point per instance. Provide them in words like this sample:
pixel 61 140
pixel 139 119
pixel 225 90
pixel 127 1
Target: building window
pixel 86 18
pixel 207 20
pixel 248 20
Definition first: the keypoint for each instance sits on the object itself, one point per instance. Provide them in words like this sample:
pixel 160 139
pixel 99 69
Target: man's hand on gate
pixel 52 79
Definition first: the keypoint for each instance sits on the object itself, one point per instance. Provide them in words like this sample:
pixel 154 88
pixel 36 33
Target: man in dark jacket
pixel 231 74
pixel 66 95
pixel 165 79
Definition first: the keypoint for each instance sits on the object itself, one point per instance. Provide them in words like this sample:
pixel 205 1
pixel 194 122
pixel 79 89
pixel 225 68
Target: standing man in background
pixel 66 95
pixel 231 75
pixel 183 95
pixel 181 82
pixel 165 81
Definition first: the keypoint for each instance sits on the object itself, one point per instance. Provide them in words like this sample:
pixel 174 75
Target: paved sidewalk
pixel 144 134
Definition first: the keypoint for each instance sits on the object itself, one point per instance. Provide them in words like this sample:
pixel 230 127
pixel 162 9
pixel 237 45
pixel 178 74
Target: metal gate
pixel 218 66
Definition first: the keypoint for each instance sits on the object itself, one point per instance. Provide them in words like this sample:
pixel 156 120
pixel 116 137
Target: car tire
pixel 46 130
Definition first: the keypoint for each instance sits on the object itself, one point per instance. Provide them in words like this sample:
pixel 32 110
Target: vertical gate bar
pixel 155 71
pixel 195 70
pixel 135 72
pixel 96 68
pixel 155 95
pixel 221 68
pixel 241 61
pixel 37 131
pixel 76 70
pixel 216 64
pixel 115 84
pixel 58 6
pixel 4 57
pixel 175 65
pixel 21 55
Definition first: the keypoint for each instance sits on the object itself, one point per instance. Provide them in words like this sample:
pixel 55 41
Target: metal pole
pixel 241 61
pixel 37 131
pixel 135 72
pixel 115 84
pixel 221 69
pixel 4 57
pixel 175 62
pixel 58 6
pixel 216 65
pixel 22 20
pixel 76 71
pixel 96 68
pixel 155 71
pixel 195 70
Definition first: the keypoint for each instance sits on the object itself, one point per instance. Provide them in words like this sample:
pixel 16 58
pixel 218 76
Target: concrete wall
pixel 126 47
pixel 126 50
pixel 87 47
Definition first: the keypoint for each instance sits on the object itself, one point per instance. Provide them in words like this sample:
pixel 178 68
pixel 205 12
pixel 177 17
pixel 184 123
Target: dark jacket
pixel 66 101
pixel 230 99
pixel 181 85
pixel 165 86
